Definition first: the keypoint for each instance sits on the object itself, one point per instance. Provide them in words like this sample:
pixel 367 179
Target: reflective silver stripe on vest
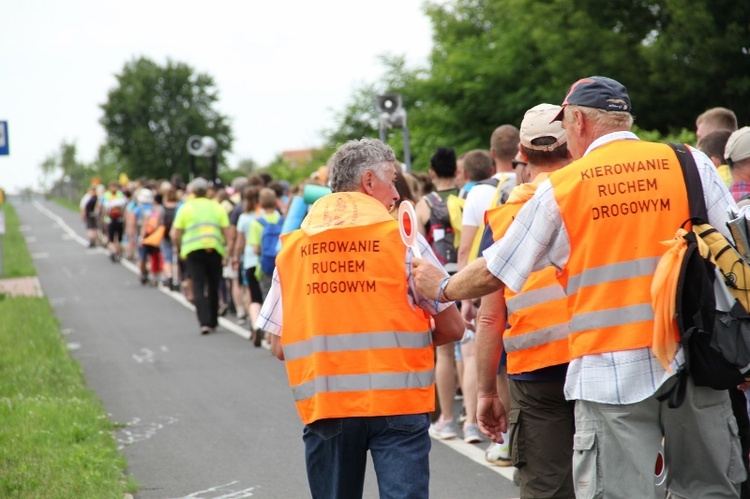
pixel 360 382
pixel 219 238
pixel 611 317
pixel 536 338
pixel 612 272
pixel 528 299
pixel 202 224
pixel 356 341
pixel 188 237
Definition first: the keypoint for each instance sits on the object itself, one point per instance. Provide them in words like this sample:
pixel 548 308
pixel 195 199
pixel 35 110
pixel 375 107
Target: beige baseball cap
pixel 738 145
pixel 538 122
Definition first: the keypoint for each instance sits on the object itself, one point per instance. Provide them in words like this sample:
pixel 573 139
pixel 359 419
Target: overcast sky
pixel 282 67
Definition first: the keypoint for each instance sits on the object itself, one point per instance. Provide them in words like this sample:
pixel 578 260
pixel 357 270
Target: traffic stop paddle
pixel 407 226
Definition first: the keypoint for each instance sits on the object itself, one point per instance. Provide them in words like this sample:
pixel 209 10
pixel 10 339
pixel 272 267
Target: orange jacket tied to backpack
pixel 352 342
pixel 538 315
pixel 617 203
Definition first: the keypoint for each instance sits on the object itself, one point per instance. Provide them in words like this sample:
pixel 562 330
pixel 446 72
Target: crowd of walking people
pixel 522 303
pixel 139 221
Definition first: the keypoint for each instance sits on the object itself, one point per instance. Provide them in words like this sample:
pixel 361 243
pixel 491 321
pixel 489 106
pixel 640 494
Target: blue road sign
pixel 4 150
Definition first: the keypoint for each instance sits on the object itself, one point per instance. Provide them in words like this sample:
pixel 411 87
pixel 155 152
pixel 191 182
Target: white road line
pixel 177 296
pixel 73 235
pixel 476 454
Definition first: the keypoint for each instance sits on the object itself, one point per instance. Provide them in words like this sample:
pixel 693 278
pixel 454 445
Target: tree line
pixel 491 60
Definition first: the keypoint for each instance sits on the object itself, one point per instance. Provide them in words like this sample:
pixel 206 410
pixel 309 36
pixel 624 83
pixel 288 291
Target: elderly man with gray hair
pixel 600 221
pixel 357 343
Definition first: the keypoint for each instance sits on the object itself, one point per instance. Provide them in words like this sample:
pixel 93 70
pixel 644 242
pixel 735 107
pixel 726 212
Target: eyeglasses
pixel 515 163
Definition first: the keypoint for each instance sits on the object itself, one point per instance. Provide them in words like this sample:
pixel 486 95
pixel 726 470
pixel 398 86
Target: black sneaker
pixel 144 280
pixel 258 337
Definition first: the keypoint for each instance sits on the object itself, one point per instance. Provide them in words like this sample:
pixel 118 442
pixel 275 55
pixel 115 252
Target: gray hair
pixel 356 157
pixel 604 121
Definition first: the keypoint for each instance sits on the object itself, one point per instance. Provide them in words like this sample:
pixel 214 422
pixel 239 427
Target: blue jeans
pixel 336 456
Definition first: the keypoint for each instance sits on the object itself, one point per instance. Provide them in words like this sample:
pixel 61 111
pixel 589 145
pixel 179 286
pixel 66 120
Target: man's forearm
pixel 474 281
pixel 491 319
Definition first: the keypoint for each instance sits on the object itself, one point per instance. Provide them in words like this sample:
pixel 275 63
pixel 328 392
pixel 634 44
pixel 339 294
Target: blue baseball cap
pixel 598 92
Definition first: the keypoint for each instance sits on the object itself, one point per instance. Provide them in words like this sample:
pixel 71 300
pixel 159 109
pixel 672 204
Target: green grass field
pixel 16 258
pixel 55 438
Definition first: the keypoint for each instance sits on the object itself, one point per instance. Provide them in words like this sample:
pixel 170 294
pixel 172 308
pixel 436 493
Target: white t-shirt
pixel 479 199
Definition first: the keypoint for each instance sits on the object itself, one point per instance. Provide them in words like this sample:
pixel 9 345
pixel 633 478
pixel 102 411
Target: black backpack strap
pixel 429 199
pixel 698 212
pixel 693 184
pixel 676 395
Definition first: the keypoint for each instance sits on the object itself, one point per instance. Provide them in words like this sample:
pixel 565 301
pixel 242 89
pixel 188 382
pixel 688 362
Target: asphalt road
pixel 203 416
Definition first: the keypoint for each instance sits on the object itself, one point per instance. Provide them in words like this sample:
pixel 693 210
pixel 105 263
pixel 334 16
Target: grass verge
pixel 16 257
pixel 55 438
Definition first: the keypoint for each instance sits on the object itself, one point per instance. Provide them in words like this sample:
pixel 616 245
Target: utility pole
pixel 393 115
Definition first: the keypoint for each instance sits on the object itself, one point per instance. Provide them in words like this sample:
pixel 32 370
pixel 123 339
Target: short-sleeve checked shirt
pixel 538 238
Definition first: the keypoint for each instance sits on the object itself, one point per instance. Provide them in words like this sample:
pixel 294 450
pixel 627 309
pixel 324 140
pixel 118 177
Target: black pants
pixel 205 271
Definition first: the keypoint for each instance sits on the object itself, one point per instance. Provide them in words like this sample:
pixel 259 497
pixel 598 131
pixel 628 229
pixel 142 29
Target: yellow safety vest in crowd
pixel 353 344
pixel 203 219
pixel 538 315
pixel 617 203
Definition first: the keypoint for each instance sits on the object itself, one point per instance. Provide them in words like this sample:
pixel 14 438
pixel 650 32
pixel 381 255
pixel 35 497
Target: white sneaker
pixel 471 434
pixel 443 430
pixel 498 454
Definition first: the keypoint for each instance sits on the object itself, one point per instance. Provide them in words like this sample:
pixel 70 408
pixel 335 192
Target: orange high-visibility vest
pixel 617 203
pixel 538 314
pixel 352 342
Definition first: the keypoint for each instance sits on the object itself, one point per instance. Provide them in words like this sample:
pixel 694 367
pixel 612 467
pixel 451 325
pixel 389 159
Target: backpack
pixel 711 300
pixel 442 234
pixel 269 244
pixel 91 205
pixel 115 212
pixel 504 185
pixel 168 218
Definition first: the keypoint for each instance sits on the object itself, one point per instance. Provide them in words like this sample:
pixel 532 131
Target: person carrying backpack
pixel 147 221
pixel 433 215
pixel 89 214
pixel 434 223
pixel 263 238
pixel 483 196
pixel 166 217
pixel 113 205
